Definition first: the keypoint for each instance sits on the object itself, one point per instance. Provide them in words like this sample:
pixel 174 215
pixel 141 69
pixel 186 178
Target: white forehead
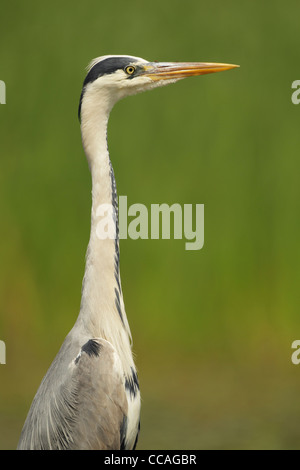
pixel 103 57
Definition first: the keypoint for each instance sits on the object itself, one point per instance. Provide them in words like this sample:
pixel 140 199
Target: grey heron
pixel 90 397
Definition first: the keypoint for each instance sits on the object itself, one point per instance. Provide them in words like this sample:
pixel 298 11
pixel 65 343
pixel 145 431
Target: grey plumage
pixel 82 406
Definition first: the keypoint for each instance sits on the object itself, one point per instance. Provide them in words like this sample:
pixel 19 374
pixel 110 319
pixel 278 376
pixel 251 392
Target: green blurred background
pixel 212 328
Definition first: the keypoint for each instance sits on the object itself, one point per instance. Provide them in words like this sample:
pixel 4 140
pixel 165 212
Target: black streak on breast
pixel 92 348
pixel 123 432
pixel 132 383
pixel 117 252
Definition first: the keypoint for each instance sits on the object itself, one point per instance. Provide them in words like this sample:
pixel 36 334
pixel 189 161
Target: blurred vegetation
pixel 212 329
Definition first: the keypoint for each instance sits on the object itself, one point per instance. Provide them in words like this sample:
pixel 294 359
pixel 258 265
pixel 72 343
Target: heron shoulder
pixel 85 408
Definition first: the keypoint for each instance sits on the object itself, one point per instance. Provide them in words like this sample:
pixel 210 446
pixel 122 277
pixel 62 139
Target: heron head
pixel 110 78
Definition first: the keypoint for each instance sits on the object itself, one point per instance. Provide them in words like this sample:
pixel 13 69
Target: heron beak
pixel 176 70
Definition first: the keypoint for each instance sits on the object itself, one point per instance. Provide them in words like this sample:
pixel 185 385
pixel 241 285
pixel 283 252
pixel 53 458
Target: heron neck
pixel 102 308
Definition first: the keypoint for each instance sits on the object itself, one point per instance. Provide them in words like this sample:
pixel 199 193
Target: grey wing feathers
pixel 86 409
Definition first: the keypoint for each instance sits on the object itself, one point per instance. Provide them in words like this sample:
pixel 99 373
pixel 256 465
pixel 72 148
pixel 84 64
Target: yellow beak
pixel 176 70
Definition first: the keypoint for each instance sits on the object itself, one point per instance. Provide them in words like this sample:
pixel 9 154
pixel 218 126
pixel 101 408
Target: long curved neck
pixel 102 311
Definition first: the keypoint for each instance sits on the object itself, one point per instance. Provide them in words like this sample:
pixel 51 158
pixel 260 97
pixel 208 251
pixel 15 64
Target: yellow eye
pixel 130 70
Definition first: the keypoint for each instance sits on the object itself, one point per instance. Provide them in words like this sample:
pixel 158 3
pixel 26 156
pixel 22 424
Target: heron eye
pixel 130 70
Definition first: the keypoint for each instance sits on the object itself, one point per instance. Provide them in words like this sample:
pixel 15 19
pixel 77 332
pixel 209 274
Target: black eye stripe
pixel 104 67
pixel 107 66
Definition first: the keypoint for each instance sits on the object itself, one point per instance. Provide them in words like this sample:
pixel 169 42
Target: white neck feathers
pixel 102 310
